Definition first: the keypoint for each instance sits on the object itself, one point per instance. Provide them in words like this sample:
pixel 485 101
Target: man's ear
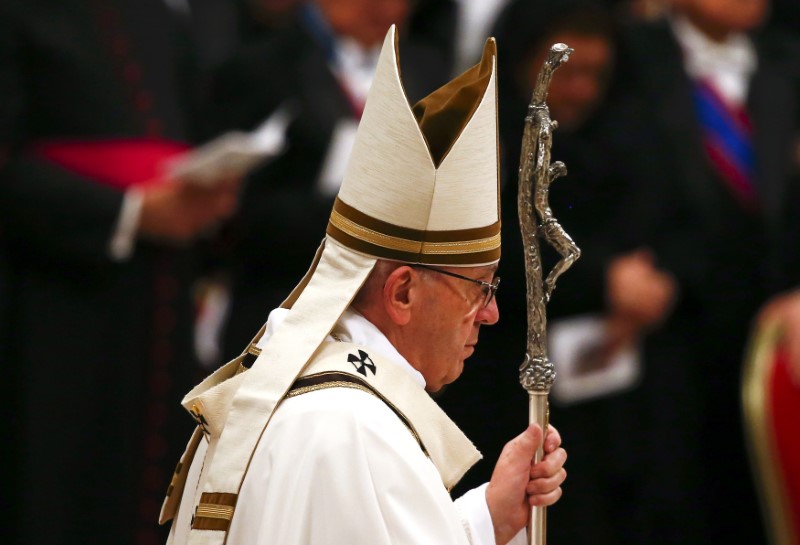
pixel 397 294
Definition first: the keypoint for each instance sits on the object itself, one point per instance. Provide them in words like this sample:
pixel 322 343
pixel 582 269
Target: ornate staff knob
pixel 537 375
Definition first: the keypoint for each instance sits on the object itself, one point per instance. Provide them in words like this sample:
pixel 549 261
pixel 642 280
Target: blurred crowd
pixel 122 284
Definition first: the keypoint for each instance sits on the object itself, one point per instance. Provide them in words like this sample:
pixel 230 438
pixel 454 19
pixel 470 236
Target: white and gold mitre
pixel 422 183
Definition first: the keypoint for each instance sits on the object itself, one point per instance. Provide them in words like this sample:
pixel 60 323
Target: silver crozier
pixel 536 219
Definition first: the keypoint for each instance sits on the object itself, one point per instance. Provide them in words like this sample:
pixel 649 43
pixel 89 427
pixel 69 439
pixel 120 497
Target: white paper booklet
pixel 234 153
pixel 582 371
pixel 336 158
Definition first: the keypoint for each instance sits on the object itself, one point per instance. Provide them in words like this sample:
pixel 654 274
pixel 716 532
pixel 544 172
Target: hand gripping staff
pixel 536 173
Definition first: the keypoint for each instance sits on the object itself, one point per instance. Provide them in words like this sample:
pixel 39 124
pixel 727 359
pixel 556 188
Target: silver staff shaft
pixel 539 413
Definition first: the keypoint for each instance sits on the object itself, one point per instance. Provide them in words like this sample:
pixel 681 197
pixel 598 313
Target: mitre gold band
pixel 364 233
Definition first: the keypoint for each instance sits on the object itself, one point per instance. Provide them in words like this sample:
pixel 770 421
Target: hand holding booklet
pixel 233 154
pixel 585 368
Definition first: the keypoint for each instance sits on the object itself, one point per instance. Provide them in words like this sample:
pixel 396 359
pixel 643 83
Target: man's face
pixel 366 21
pixel 720 17
pixel 447 323
pixel 578 86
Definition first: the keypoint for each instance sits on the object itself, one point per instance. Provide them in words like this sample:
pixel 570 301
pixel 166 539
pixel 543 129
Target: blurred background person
pixel 318 69
pixel 258 19
pixel 456 28
pixel 97 247
pixel 474 23
pixel 724 90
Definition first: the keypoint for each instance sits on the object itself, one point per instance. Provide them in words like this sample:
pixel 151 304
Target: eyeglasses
pixel 488 289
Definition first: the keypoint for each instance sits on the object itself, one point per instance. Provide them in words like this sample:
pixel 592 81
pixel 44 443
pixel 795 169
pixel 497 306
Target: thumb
pixel 528 442
pixel 517 455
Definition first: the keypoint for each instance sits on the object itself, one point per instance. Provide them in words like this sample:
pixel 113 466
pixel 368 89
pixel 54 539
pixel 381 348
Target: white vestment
pixel 338 466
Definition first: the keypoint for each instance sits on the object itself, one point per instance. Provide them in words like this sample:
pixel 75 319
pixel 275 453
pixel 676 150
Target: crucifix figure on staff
pixel 536 173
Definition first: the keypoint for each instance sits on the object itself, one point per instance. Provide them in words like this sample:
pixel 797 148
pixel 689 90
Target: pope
pixel 323 430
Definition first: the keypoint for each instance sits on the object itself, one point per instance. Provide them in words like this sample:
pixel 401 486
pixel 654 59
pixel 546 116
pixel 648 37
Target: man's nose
pixel 490 314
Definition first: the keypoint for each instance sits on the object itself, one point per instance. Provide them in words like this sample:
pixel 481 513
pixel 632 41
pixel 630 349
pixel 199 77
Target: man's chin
pixel 455 371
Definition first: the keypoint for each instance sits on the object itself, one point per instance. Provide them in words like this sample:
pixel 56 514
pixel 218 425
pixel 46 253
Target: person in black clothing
pixel 713 66
pixel 97 262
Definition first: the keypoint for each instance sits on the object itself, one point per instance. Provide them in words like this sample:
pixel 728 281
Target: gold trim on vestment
pixel 175 476
pixel 332 384
pixel 212 511
pixel 355 383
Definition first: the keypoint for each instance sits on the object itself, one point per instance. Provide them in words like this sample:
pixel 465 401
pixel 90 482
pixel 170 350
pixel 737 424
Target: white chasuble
pixel 339 465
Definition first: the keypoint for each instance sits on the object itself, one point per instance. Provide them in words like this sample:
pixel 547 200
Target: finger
pixel 550 464
pixel 518 454
pixel 553 439
pixel 546 485
pixel 541 500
